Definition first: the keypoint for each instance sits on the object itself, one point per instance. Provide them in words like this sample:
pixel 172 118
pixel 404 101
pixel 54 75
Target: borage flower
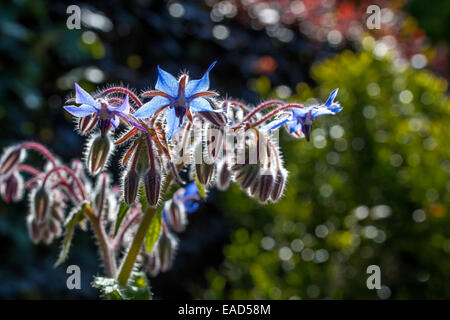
pixel 106 114
pixel 301 120
pixel 179 97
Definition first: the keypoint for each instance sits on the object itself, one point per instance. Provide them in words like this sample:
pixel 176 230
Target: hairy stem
pixel 136 245
pixel 40 148
pixel 106 249
pixel 123 90
pixel 133 252
pixel 259 108
pixel 275 112
pixel 72 174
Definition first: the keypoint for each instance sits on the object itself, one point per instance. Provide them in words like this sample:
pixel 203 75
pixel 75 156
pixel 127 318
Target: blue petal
pixel 164 214
pixel 167 83
pixel 331 98
pixel 294 126
pixel 124 107
pixel 201 104
pixel 196 86
pixel 319 111
pixel 115 121
pixel 275 124
pixel 81 111
pixel 191 206
pixel 148 109
pixel 335 107
pixel 191 189
pixel 300 113
pixel 173 122
pixel 82 97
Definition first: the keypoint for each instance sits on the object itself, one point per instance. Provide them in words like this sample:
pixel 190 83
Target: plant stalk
pixel 136 245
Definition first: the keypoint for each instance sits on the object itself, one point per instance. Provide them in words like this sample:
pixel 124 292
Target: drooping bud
pixel 214 143
pixel 237 167
pixel 152 183
pixel 11 157
pixel 98 153
pixel 166 247
pixel 223 176
pixel 41 204
pixel 47 236
pixel 176 215
pixel 57 211
pixel 254 188
pixel 216 118
pixel 152 262
pixel 33 229
pixel 265 186
pixel 204 172
pixel 12 188
pixel 278 185
pixel 130 186
pixel 247 175
pixel 204 166
pixel 55 227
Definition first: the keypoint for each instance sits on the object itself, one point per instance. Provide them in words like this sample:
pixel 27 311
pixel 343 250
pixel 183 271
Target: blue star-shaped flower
pixel 189 197
pixel 179 97
pixel 106 114
pixel 301 120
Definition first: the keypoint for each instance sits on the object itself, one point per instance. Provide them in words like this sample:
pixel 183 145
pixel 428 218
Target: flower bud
pixel 254 187
pixel 55 227
pixel 130 186
pixel 12 188
pixel 41 204
pixel 204 165
pixel 248 175
pixel 33 229
pixel 204 172
pixel 237 167
pixel 152 183
pixel 58 211
pixel 265 186
pixel 152 262
pixel 11 157
pixel 216 118
pixel 278 185
pixel 223 176
pixel 47 236
pixel 214 143
pixel 166 247
pixel 176 215
pixel 99 150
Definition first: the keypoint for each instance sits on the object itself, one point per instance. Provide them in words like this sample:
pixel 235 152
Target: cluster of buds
pixel 51 189
pixel 185 136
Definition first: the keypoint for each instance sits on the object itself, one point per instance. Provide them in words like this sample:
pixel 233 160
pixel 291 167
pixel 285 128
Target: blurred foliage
pixel 372 187
pixel 433 19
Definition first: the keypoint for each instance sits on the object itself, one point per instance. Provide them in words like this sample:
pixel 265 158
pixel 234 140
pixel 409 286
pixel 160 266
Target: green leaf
pixel 154 231
pixel 136 289
pixel 120 215
pixel 75 217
